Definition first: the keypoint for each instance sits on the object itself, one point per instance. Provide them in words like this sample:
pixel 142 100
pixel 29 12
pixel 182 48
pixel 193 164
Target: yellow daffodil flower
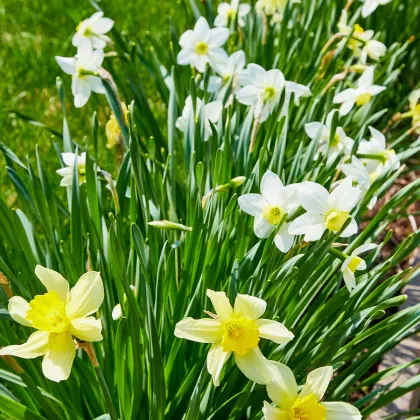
pixel 236 330
pixel 58 316
pixel 306 404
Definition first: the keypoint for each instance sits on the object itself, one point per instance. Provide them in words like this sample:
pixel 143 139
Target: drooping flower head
pixel 202 46
pixel 306 404
pixel 84 70
pixel 227 13
pixel 325 210
pixel 94 30
pixel 212 113
pixel 359 96
pixel 58 316
pixel 236 330
pixel 269 208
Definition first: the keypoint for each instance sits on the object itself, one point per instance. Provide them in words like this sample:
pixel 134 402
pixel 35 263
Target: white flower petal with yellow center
pixel 339 143
pixel 58 315
pixel 326 210
pixel 71 160
pixel 377 146
pixel 360 95
pixel 84 69
pixel 292 405
pixel 93 30
pixel 202 46
pixel 211 113
pixel 226 13
pixel 353 263
pixel 236 330
pixel 269 208
pixel 370 6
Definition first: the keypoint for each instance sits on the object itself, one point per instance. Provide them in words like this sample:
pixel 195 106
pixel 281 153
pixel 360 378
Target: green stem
pixel 340 255
pixel 371 156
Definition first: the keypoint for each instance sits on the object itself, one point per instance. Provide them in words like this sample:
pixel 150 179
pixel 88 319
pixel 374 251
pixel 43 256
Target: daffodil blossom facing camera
pixel 325 210
pixel 359 96
pixel 236 330
pixel 306 404
pixel 84 70
pixel 203 45
pixel 227 13
pixel 58 316
pixel 270 207
pixel 94 30
pixel 70 160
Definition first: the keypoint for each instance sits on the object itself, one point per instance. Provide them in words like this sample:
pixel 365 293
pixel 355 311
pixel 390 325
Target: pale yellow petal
pixel 274 413
pixel 255 366
pixel 341 411
pixel 17 310
pixel 283 390
pixel 274 331
pixel 317 382
pixel 86 329
pixel 221 304
pixel 53 282
pixel 249 306
pixel 86 296
pixel 58 360
pixel 216 358
pixel 206 330
pixel 36 346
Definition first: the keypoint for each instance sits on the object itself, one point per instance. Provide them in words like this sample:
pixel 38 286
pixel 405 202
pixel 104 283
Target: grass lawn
pixel 33 33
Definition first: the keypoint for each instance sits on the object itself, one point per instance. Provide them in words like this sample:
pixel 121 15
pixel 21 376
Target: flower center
pixel 335 219
pixel 373 176
pixel 307 408
pixel 335 141
pixel 47 313
pixel 231 13
pixel 273 214
pixel 240 335
pixel 354 262
pixel 201 48
pixel 363 99
pixel 269 93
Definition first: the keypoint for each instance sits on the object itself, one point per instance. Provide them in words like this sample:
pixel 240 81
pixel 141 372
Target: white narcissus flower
pixel 306 404
pixel 377 146
pixel 360 174
pixel 58 316
pixel 236 330
pixel 94 30
pixel 269 208
pixel 300 91
pixel 359 96
pixel 227 13
pixel 262 91
pixel 325 210
pixel 271 7
pixel 212 113
pixel 353 263
pixel 69 160
pixel 84 69
pixel 370 6
pixel 203 45
pixel 339 143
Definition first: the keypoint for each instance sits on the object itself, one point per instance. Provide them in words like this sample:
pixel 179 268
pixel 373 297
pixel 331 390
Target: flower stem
pixel 372 157
pixel 88 348
pixel 340 255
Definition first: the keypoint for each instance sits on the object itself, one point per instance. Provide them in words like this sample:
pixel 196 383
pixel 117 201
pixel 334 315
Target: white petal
pixel 58 360
pixel 274 331
pixel 65 171
pixel 314 233
pixel 345 95
pixel 283 239
pixel 346 107
pixel 213 111
pixel 255 366
pixel 314 129
pixel 271 187
pixel 201 29
pixel 368 8
pixel 87 329
pixel 262 228
pixel 252 204
pixel 375 90
pixel 363 248
pixel 206 330
pixel 69 158
pixel 53 282
pixel 36 346
pixel 349 279
pixel 283 390
pixel 102 26
pixel 317 382
pixel 187 39
pixel 289 198
pixel 84 52
pixel 217 57
pixel 67 64
pixel 200 62
pixel 341 411
pixel 344 197
pixel 249 307
pixel 366 79
pixel 301 225
pixel 221 304
pixel 95 84
pixel 313 197
pixel 81 91
pixel 117 312
pixel 217 37
pixel 67 181
pixel 274 413
pixel 216 358
pixel 378 138
pixel 185 56
pixel 18 307
pixel 256 74
pixel 86 296
pixel 248 95
pixel 351 229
